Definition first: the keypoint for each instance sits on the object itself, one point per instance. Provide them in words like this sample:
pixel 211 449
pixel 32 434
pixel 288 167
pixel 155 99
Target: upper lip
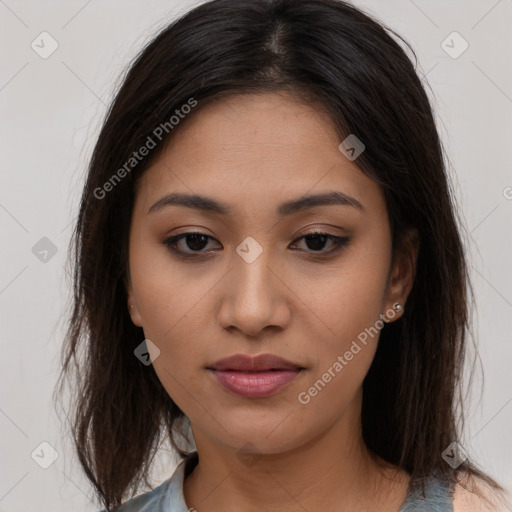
pixel 261 362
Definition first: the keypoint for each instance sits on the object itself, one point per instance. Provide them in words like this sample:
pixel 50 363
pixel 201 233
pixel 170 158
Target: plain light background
pixel 50 113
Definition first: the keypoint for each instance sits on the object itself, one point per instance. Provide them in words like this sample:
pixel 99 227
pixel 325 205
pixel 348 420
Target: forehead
pixel 262 127
pixel 253 147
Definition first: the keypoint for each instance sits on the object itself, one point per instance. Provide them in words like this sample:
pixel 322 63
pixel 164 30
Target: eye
pixel 194 243
pixel 317 240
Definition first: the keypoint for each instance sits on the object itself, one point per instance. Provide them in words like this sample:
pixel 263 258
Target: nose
pixel 255 298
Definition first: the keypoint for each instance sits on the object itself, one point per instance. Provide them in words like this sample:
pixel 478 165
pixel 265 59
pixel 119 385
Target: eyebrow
pixel 208 204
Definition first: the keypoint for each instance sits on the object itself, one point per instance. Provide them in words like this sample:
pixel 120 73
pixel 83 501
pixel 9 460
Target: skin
pixel 254 152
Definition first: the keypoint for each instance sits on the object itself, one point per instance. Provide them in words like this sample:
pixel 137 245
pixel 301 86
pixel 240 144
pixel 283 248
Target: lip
pixel 261 362
pixel 258 384
pixel 254 377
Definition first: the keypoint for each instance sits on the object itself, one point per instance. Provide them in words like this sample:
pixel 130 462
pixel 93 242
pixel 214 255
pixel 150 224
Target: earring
pixel 397 307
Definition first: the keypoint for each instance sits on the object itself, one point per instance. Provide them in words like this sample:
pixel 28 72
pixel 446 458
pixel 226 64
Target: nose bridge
pixel 255 297
pixel 252 272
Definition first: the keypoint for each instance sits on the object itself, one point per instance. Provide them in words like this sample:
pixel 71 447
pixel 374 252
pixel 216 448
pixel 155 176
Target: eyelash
pixel 339 243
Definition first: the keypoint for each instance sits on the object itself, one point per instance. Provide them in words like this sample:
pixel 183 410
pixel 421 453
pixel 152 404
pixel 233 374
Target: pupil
pixel 316 239
pixel 193 245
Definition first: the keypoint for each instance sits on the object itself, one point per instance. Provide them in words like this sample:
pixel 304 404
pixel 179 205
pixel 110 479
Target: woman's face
pixel 251 283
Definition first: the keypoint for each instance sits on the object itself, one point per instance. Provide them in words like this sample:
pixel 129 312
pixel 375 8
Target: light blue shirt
pixel 168 496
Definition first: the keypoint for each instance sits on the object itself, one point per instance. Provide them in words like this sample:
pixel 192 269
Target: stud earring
pixel 397 307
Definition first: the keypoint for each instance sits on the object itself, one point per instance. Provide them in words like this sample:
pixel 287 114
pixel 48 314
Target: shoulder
pixel 475 495
pixel 150 501
pixel 167 496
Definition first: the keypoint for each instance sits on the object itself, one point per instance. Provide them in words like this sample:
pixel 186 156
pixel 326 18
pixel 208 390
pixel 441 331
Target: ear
pixel 132 304
pixel 402 273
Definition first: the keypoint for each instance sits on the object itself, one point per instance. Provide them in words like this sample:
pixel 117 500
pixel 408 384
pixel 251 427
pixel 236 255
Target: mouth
pixel 254 377
pixel 254 384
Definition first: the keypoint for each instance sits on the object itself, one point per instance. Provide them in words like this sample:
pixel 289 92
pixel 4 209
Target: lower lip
pixel 254 384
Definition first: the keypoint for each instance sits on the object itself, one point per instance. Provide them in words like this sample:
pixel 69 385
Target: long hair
pixel 322 51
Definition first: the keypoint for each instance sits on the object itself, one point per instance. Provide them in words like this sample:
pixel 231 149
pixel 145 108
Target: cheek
pixel 165 290
pixel 350 296
pixel 170 299
pixel 349 305
pixel 342 362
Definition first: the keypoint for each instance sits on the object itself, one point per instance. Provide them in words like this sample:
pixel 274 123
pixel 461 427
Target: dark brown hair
pixel 322 51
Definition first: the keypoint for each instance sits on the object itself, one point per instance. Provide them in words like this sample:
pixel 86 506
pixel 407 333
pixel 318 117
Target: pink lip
pixel 256 384
pixel 261 362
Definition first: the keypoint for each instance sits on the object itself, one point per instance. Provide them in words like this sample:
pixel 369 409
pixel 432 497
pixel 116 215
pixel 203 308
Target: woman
pixel 267 250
